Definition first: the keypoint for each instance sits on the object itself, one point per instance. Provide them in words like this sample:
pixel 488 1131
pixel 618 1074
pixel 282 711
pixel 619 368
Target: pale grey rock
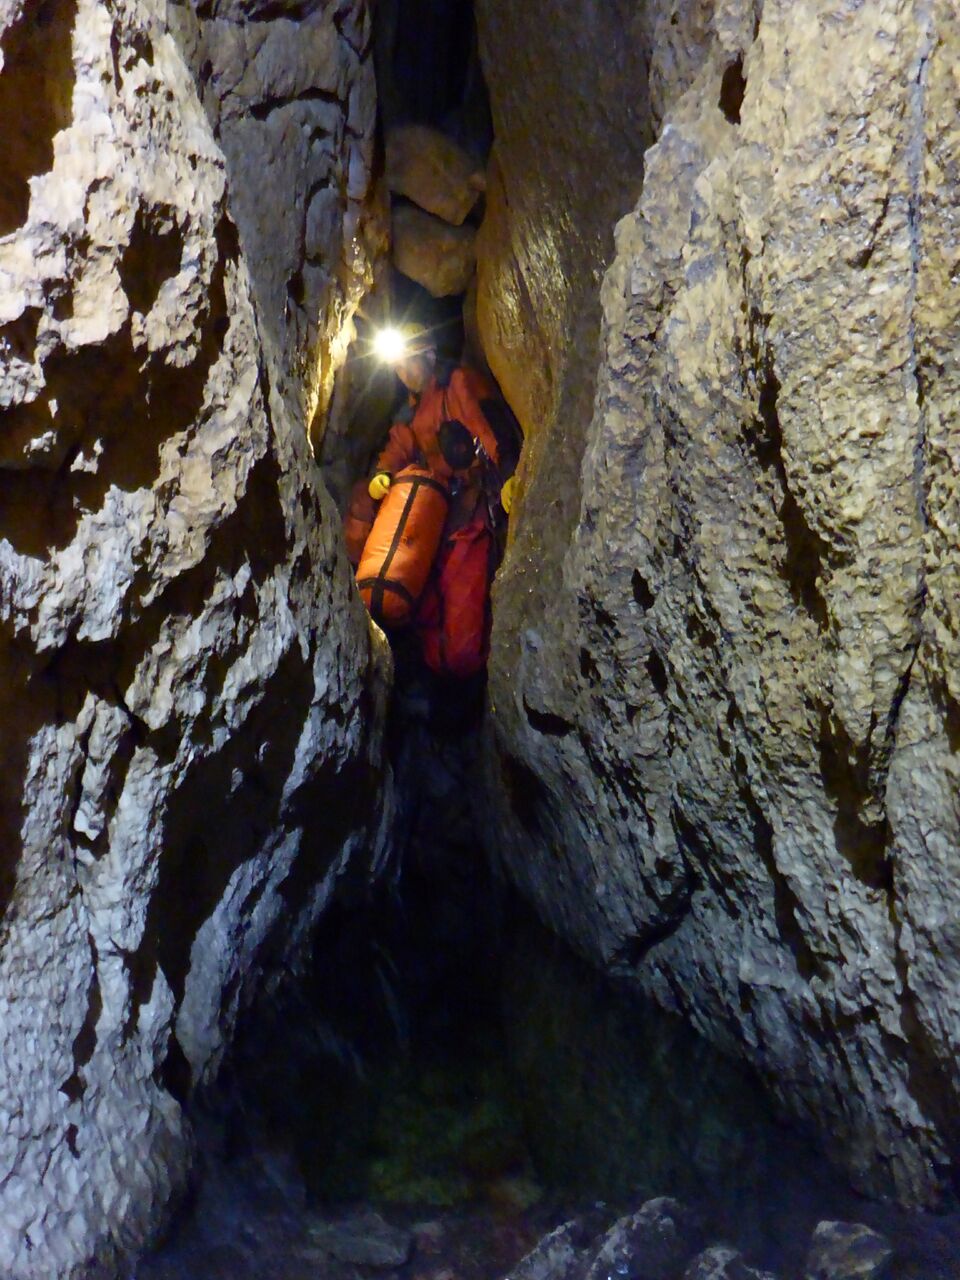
pixel 433 171
pixel 187 680
pixel 720 1262
pixel 292 100
pixel 437 256
pixel 726 639
pixel 848 1251
pixel 651 1244
pixel 558 1256
pixel 364 1239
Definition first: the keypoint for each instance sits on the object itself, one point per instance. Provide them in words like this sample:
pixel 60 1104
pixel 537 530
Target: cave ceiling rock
pixel 190 686
pixel 726 627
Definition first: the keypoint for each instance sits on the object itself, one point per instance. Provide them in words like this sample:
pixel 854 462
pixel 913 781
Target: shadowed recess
pixel 36 99
pixel 152 257
pixel 846 779
pixel 199 861
pixel 732 90
pixel 85 1040
pixel 806 551
pixel 106 401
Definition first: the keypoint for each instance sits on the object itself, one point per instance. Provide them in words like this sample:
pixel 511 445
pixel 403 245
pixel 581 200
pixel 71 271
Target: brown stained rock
pixel 433 171
pixel 727 632
pixel 472 342
pixel 437 256
pixel 184 664
pixel 571 123
pixel 515 341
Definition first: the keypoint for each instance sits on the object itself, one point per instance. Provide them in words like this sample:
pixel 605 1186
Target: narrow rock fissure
pixel 446 1083
pixel 594 915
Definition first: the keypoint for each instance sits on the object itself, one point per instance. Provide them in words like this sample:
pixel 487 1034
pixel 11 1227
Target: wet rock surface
pixel 724 634
pixel 188 685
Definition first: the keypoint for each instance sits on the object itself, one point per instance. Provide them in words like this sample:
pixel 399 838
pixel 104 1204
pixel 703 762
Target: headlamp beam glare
pixel 390 345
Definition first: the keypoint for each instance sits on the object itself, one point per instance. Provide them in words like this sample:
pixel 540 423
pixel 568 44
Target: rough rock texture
pixel 188 681
pixel 290 91
pixel 436 255
pixel 848 1251
pixel 657 1242
pixel 722 1263
pixel 726 687
pixel 569 102
pixel 651 1244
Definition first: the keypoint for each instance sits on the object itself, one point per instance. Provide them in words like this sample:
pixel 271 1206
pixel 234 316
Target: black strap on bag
pixel 380 584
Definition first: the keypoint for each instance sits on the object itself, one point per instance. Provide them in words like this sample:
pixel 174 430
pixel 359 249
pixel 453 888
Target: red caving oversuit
pixel 453 615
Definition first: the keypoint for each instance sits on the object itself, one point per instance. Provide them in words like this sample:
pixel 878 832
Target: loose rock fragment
pixel 557 1256
pixel 848 1251
pixel 651 1244
pixel 720 1262
pixel 364 1239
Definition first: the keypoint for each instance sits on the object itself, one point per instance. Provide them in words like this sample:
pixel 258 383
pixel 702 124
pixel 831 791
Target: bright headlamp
pixel 390 346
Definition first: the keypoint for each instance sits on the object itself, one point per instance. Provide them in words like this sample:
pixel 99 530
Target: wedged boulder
pixel 430 169
pixel 437 256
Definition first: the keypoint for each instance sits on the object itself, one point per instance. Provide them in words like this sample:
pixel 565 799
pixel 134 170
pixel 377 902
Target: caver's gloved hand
pixel 378 486
pixel 507 494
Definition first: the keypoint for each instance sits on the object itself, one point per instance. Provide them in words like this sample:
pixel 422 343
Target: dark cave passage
pixel 449 1084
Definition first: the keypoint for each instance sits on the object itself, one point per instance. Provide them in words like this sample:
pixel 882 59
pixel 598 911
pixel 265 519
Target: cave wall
pixel 725 661
pixel 190 693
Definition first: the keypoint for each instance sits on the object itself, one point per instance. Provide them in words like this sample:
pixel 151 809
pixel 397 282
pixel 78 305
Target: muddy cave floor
pixel 452 1068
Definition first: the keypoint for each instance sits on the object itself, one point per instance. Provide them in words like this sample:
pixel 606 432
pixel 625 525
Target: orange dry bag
pixel 399 551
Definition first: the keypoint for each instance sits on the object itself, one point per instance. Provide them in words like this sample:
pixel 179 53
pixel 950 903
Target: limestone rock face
pixel 188 683
pixel 290 91
pixel 725 681
pixel 569 103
